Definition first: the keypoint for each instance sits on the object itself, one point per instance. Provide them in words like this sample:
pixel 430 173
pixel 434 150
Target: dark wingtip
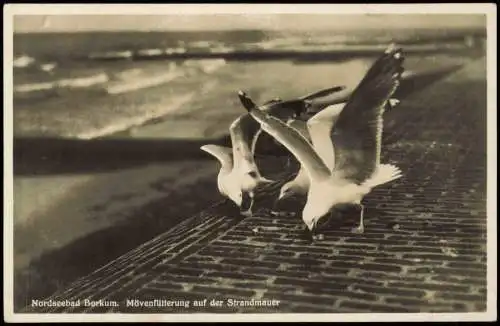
pixel 393 48
pixel 246 101
pixel 323 93
pixel 395 51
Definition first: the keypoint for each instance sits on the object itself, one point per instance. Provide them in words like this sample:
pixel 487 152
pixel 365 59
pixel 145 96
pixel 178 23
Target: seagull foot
pixel 358 230
pixel 247 213
pixel 318 237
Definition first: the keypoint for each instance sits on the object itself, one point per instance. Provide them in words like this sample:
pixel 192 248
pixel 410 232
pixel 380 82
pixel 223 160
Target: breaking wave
pixel 142 82
pixel 78 82
pixel 23 61
pixel 123 123
pixel 206 65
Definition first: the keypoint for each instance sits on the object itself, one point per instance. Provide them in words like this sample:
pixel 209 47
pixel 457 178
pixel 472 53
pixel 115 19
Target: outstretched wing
pixel 283 110
pixel 243 131
pixel 221 153
pixel 297 144
pixel 301 127
pixel 357 133
pixel 322 93
pixel 295 108
pixel 320 128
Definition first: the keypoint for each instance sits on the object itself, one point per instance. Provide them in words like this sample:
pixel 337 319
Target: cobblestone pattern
pixel 423 250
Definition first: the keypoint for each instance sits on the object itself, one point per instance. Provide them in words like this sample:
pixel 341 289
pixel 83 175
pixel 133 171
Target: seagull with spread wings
pixel 319 127
pixel 239 175
pixel 343 166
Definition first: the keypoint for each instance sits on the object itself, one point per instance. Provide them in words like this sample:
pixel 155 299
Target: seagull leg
pixel 361 227
pixel 308 235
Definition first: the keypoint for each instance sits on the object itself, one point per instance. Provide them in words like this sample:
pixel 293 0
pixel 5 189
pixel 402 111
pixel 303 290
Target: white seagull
pixel 239 175
pixel 319 127
pixel 351 165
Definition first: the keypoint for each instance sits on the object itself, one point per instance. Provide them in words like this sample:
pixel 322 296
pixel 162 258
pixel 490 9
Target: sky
pixel 75 23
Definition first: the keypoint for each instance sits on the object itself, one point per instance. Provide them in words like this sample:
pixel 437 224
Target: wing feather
pixel 289 137
pixel 242 132
pixel 320 127
pixel 358 131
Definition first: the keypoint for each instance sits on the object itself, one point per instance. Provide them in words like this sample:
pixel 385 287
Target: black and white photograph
pixel 250 162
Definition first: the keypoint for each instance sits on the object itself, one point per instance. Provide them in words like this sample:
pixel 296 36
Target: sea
pixel 88 85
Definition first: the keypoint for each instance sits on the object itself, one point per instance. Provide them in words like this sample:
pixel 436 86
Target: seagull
pixel 239 175
pixel 344 167
pixel 319 126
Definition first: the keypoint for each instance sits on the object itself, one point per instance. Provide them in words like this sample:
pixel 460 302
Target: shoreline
pixel 194 98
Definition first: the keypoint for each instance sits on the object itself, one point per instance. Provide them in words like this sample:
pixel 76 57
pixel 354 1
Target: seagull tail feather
pixel 385 173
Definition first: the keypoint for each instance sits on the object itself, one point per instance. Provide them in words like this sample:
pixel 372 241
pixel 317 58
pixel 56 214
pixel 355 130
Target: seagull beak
pixel 312 227
pixel 282 195
pixel 312 230
pixel 278 203
pixel 246 201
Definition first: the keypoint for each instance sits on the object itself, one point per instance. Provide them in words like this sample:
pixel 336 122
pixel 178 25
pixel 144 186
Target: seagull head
pixel 236 197
pixel 316 226
pixel 286 191
pixel 315 216
pixel 289 199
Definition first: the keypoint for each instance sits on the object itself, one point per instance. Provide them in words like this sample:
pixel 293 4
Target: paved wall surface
pixel 423 250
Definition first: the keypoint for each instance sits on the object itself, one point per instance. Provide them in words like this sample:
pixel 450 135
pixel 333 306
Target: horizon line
pixel 165 30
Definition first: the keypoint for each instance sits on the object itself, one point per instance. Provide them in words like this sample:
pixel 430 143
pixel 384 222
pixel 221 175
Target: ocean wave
pixel 48 67
pixel 128 73
pixel 78 82
pixel 222 49
pixel 150 52
pixel 144 82
pixel 112 55
pixel 201 44
pixel 23 61
pixel 206 65
pixel 280 43
pixel 320 40
pixel 33 87
pixel 124 123
pixel 209 66
pixel 83 81
pixel 177 50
